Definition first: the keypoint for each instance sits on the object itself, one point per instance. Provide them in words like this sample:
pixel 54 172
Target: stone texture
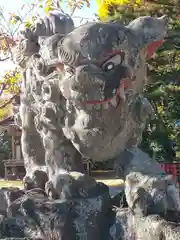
pixel 148 190
pixel 7 196
pixel 35 216
pixel 81 98
pixel 73 107
pixel 153 227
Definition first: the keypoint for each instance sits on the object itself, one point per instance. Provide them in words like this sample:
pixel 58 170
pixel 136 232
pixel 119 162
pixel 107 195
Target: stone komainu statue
pixel 82 97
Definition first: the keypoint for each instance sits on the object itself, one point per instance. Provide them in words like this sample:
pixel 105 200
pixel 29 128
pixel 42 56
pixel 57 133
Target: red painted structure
pixel 173 169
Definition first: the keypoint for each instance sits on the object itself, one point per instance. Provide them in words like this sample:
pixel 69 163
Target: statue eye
pixel 111 63
pixel 109 66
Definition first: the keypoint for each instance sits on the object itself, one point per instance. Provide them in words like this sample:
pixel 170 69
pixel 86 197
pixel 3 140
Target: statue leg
pixel 60 153
pixel 63 162
pixel 32 150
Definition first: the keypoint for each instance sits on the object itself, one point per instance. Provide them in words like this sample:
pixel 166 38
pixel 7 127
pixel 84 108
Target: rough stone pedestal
pixel 32 215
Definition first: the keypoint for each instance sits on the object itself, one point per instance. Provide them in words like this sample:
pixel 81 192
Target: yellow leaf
pixel 103 6
pixel 28 24
pixel 13 21
pixel 6 111
pixel 4 44
pixel 49 5
pixel 12 81
pixel 47 9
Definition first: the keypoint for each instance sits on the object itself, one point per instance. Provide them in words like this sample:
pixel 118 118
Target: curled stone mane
pixel 81 100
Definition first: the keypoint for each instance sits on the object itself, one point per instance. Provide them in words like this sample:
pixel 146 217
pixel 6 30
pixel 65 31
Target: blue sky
pixel 12 6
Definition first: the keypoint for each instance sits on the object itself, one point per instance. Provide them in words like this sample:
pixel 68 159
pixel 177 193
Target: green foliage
pixel 10 85
pixel 163 91
pixel 164 72
pixel 12 81
pixel 5 150
pixel 5 145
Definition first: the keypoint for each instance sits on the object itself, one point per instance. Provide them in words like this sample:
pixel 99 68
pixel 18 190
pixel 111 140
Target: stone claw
pixel 71 185
pixel 37 180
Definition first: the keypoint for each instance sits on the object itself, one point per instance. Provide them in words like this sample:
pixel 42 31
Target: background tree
pixel 5 150
pixel 161 134
pixel 10 26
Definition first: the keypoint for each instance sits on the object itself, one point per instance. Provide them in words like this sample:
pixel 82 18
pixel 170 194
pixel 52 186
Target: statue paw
pixel 72 185
pixel 38 179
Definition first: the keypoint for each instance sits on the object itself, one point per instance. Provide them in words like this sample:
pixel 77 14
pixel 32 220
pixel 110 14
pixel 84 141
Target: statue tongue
pixel 154 46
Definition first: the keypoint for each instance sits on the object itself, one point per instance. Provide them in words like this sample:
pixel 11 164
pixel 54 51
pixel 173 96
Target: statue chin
pixel 96 135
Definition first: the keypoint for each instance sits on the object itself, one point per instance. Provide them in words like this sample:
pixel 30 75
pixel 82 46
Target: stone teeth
pixel 114 102
pixel 122 93
pixel 105 105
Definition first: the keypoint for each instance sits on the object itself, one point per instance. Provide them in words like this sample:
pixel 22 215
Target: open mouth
pixel 114 101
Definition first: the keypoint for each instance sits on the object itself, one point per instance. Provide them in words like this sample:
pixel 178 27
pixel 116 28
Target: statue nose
pixel 165 18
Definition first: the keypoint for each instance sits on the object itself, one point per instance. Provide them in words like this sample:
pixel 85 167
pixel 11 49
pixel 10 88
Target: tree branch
pixel 2 89
pixel 31 8
pixel 9 101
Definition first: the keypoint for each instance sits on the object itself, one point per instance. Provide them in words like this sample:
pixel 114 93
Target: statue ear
pixel 49 48
pixel 149 33
pixel 61 22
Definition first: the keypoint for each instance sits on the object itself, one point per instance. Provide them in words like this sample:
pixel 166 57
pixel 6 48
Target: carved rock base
pixel 31 215
pixel 34 216
pixel 152 227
